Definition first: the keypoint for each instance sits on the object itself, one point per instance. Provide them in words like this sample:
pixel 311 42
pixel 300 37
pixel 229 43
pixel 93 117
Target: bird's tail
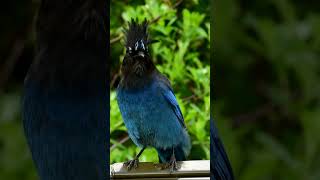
pixel 219 163
pixel 165 154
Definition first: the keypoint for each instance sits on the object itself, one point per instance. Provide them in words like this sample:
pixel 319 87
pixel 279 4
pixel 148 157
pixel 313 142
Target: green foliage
pixel 182 54
pixel 15 159
pixel 266 75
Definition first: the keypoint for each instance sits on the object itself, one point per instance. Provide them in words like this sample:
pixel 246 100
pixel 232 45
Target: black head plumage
pixel 137 36
pixel 137 65
pixel 85 23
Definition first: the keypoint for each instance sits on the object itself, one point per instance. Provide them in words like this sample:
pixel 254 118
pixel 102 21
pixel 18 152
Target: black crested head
pixel 137 36
pixel 70 22
pixel 137 64
pixel 72 45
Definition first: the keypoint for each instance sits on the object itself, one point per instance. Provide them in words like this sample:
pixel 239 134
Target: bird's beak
pixel 141 54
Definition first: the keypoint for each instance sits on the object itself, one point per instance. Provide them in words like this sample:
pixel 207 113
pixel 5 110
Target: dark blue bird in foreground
pixel 64 105
pixel 220 165
pixel 147 103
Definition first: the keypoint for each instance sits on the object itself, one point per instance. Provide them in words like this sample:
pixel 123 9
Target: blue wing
pixel 219 162
pixel 169 96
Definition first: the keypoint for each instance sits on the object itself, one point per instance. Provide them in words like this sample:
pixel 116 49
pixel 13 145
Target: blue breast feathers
pixel 153 117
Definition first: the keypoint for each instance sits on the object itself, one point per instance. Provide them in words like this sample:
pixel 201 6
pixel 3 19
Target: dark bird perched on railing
pixel 147 103
pixel 220 165
pixel 65 102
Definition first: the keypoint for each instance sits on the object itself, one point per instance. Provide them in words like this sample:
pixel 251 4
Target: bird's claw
pixel 172 165
pixel 132 164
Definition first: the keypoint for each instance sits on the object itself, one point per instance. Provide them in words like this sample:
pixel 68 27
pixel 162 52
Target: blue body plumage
pixel 152 117
pixel 220 165
pixel 147 103
pixel 66 133
pixel 64 105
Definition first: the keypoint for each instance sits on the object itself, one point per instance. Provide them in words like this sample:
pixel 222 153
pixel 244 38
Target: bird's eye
pixel 136 45
pixel 129 50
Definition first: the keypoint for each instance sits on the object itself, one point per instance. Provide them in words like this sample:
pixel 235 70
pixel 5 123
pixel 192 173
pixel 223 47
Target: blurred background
pixel 16 54
pixel 265 69
pixel 266 92
pixel 182 54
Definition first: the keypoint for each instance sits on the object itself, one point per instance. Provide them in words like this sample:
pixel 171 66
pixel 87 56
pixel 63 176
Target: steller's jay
pixel 220 165
pixel 147 103
pixel 65 109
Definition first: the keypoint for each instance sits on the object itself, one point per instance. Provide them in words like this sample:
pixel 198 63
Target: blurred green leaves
pixel 266 76
pixel 15 158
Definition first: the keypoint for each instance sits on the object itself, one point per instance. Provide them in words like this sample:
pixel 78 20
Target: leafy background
pixel 266 72
pixel 265 68
pixel 182 54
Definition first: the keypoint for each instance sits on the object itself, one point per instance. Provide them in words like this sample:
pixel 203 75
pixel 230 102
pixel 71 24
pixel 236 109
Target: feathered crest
pixel 137 32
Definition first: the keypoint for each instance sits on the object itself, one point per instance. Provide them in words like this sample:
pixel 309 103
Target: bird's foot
pixel 132 164
pixel 172 164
